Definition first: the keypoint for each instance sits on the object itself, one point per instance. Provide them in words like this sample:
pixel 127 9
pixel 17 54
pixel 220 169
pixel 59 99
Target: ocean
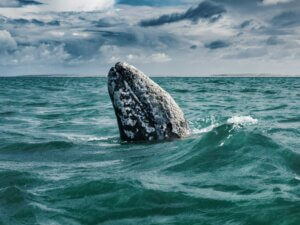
pixel 62 162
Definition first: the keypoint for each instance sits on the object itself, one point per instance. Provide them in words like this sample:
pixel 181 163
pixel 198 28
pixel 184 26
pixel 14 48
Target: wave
pixel 225 146
pixel 249 90
pixel 235 120
pixel 7 113
pixel 204 130
pixel 16 178
pixel 290 120
pixel 15 206
pixel 271 92
pixel 51 145
pixel 282 106
pixel 15 198
pixel 292 159
pixel 14 195
pixel 87 138
pixel 92 139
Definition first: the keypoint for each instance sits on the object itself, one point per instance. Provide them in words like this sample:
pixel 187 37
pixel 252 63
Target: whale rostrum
pixel 144 111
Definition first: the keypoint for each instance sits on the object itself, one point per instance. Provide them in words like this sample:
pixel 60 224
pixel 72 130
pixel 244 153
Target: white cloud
pixel 57 33
pixel 80 34
pixel 76 5
pixel 7 6
pixel 112 54
pixel 32 55
pixel 274 2
pixel 141 58
pixel 160 57
pixel 7 42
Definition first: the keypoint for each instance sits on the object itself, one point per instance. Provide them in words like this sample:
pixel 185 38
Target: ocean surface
pixel 62 162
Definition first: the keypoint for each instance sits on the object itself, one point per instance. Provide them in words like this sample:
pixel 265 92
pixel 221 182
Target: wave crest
pixel 242 120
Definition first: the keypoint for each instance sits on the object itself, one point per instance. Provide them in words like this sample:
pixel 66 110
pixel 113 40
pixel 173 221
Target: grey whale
pixel 144 111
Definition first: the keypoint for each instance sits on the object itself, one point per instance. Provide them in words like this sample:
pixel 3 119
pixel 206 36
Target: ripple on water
pixel 31 147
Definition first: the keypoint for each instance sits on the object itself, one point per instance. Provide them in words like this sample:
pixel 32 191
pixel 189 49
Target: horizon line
pixel 179 76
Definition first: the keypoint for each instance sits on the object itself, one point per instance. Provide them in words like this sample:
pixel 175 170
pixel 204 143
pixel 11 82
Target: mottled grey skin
pixel 143 109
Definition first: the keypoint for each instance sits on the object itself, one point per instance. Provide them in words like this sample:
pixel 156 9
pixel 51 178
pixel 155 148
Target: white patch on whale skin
pixel 129 134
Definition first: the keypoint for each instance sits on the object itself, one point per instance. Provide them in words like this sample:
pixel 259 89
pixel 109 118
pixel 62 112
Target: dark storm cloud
pixel 217 44
pixel 286 19
pixel 22 21
pixel 106 22
pixel 245 24
pixel 233 3
pixel 25 21
pixel 280 24
pixel 205 10
pixel 120 38
pixel 54 23
pixel 29 2
pixel 241 4
pixel 82 48
pixel 18 3
pixel 134 37
pixel 193 46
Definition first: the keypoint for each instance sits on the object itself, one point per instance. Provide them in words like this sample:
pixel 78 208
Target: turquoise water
pixel 61 160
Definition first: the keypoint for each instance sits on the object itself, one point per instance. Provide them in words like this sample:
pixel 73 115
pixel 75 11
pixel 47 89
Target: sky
pixel 162 38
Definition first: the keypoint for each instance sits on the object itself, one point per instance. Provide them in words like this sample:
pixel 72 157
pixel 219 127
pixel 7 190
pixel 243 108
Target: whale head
pixel 143 109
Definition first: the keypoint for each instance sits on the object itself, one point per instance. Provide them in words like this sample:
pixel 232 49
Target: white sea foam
pixel 235 120
pixel 242 120
pixel 85 138
pixel 204 130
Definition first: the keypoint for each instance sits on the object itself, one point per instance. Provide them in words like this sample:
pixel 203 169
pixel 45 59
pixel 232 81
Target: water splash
pixel 242 120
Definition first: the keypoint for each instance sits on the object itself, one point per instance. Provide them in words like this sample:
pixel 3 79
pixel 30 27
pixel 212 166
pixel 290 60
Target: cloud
pixel 76 5
pixel 149 2
pixel 142 58
pixel 245 24
pixel 44 54
pixel 106 22
pixel 113 53
pixel 82 48
pixel 17 3
pixel 160 57
pixel 90 38
pixel 135 37
pixel 275 2
pixel 7 42
pixel 193 46
pixel 22 21
pixel 273 40
pixel 60 5
pixel 286 19
pixel 217 44
pixel 205 10
pixel 249 52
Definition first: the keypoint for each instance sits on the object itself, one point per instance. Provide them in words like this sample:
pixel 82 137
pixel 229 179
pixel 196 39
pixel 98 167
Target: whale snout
pixel 121 66
pixel 124 71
